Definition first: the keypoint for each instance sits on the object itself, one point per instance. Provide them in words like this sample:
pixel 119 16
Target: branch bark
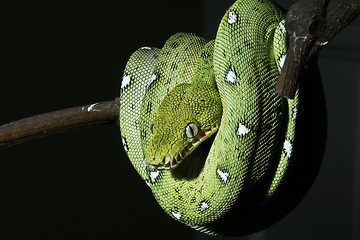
pixel 58 121
pixel 312 24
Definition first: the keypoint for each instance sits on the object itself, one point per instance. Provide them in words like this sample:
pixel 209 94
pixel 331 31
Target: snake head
pixel 184 119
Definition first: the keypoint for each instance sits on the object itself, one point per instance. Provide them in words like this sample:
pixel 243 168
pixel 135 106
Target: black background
pixel 78 185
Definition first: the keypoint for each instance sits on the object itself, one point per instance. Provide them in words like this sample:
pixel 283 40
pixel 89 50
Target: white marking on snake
pixel 282 27
pixel 232 18
pixel 153 78
pixel 125 81
pixel 295 113
pixel 223 175
pixel 154 175
pixel 147 183
pixel 176 214
pixel 204 206
pixel 231 76
pixel 242 130
pixel 124 144
pixel 288 148
pixel 91 108
pixel 146 48
pixel 282 61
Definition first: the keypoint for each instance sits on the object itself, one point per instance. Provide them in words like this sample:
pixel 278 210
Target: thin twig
pixel 58 121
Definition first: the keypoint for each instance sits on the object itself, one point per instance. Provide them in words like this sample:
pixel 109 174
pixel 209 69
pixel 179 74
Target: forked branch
pixel 312 24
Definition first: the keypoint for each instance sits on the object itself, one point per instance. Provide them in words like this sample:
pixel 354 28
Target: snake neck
pixel 187 116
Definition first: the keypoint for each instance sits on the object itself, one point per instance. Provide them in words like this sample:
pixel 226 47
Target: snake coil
pixel 257 156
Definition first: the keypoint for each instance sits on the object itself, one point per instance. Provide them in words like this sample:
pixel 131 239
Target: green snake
pixel 173 99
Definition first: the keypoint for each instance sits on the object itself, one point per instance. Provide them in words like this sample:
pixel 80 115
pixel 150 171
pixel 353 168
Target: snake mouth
pixel 170 162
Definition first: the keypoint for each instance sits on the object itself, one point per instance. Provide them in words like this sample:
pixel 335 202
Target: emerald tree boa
pixel 202 125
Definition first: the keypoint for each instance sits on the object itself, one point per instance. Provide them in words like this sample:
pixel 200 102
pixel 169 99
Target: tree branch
pixel 312 24
pixel 310 30
pixel 58 121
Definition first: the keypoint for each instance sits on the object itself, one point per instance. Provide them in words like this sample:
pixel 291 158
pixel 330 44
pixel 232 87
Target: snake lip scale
pixel 170 162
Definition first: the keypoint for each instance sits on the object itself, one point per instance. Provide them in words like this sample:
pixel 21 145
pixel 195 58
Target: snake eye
pixel 191 130
pixel 152 128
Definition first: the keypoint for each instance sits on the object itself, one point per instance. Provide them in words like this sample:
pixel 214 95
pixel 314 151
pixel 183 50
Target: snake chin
pixel 170 162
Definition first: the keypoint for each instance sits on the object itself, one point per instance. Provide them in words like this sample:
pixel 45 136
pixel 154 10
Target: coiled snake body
pixel 173 99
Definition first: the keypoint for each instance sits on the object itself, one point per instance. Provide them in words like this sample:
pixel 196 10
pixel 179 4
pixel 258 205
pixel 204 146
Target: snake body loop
pixel 173 100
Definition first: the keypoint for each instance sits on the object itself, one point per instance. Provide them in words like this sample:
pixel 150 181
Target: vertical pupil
pixel 192 130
